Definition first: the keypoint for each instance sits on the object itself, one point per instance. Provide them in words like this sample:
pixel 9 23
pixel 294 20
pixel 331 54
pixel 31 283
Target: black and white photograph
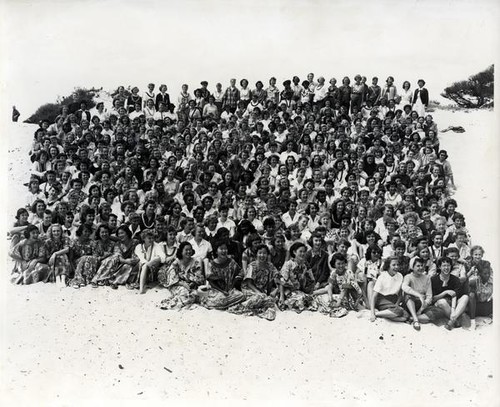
pixel 281 202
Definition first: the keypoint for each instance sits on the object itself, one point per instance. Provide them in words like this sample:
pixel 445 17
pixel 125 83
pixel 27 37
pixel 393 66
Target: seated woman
pixel 343 281
pixel 481 291
pixel 418 294
pixel 329 299
pixel 224 276
pixel 83 256
pixel 150 255
pixel 449 293
pixel 16 231
pixel 259 286
pixel 296 281
pixel 57 245
pixel 122 264
pixel 384 302
pixel 368 269
pixel 182 279
pixel 30 257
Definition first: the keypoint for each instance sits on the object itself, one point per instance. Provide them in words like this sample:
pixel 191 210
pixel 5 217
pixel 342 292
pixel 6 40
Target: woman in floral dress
pixel 57 245
pixel 225 277
pixel 296 281
pixel 83 253
pixel 182 278
pixel 30 257
pixel 259 286
pixel 122 264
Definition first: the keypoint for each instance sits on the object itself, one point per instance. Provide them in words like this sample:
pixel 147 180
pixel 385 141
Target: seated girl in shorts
pixel 387 294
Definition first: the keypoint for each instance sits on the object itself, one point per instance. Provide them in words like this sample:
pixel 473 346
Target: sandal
pixel 114 286
pixel 94 285
pixel 416 325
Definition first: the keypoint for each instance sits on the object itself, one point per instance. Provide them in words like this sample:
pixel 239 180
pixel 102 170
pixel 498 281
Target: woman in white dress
pixel 406 95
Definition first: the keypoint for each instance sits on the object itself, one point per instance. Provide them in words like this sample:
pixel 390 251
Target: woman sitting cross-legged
pixel 182 279
pixel 259 286
pixel 296 281
pixel 386 294
pixel 150 255
pixel 418 294
pixel 119 267
pixel 225 277
pixel 449 293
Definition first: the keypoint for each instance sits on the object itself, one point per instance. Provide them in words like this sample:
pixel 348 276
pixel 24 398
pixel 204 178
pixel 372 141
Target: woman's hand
pixel 451 293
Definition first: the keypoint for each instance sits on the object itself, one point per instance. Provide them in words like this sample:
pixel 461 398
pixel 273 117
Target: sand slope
pixel 80 347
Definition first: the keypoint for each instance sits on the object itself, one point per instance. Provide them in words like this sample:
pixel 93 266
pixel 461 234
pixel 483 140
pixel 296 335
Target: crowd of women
pixel 309 196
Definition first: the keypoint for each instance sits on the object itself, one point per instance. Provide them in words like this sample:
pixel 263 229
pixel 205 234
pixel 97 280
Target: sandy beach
pixel 81 347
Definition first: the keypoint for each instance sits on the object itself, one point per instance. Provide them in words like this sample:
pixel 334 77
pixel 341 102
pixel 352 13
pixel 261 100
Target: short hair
pixel 98 231
pixel 126 230
pixel 388 261
pixel 179 251
pixel 294 247
pixel 28 231
pixel 263 246
pixel 82 228
pixel 337 256
pixel 451 250
pixel 442 260
pixel 372 249
pixel 253 237
pixel 147 233
pixel 218 243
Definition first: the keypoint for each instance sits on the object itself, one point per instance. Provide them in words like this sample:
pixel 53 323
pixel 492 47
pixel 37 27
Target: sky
pixel 50 47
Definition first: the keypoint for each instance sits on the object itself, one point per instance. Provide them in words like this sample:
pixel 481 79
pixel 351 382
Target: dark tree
pixel 473 92
pixel 50 111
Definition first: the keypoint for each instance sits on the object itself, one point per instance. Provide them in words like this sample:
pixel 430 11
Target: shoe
pixel 449 325
pixel 114 286
pixel 416 326
pixel 94 285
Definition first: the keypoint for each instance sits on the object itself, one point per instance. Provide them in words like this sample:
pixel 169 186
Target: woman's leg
pixel 472 309
pixel 410 303
pixel 445 306
pixel 461 307
pixel 369 291
pixel 142 278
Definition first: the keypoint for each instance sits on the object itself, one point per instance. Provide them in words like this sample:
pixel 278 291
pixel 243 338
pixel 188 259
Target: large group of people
pixel 254 200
